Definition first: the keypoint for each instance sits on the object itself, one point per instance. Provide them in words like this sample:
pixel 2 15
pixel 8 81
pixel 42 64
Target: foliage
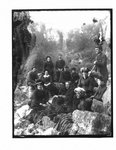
pixel 77 48
pixel 46 44
pixel 81 42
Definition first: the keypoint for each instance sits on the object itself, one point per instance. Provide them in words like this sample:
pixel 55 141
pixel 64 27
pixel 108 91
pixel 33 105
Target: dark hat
pixel 73 68
pixel 48 57
pixel 85 69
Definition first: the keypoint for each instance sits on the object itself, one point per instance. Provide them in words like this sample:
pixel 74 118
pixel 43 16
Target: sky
pixel 66 20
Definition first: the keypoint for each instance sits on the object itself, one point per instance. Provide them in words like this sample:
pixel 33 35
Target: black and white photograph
pixel 62 75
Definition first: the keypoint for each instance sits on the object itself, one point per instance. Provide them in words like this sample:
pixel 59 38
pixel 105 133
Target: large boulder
pixel 20 114
pixel 21 97
pixel 92 123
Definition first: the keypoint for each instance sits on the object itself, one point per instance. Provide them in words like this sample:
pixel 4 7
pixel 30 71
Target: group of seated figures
pixel 61 89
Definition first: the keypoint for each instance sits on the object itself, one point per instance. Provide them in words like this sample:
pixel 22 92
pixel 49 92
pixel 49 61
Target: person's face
pixel 39 87
pixel 97 50
pixel 67 85
pixel 34 69
pixel 73 71
pixel 77 95
pixel 84 74
pixel 46 72
pixel 60 57
pixel 48 59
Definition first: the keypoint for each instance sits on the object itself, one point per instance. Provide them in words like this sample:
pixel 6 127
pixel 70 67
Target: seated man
pixel 69 97
pixel 32 77
pixel 38 102
pixel 74 76
pixel 64 89
pixel 87 82
pixel 39 97
pixel 65 75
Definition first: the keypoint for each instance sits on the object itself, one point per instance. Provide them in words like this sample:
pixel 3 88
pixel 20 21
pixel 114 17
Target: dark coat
pixel 65 76
pixel 60 64
pixel 101 66
pixel 31 77
pixel 74 77
pixel 85 104
pixel 87 84
pixel 70 96
pixel 38 96
pixel 49 67
pixel 62 91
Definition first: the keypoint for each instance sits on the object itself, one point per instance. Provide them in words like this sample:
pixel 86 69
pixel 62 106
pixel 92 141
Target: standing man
pixel 60 63
pixel 101 72
pixel 100 63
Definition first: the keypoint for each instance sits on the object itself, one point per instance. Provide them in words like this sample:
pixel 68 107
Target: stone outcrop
pixel 92 123
pixel 97 106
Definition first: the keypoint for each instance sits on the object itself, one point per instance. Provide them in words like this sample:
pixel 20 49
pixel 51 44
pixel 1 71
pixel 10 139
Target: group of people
pixel 74 90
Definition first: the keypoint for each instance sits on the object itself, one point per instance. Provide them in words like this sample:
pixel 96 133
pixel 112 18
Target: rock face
pixel 92 123
pixel 44 127
pixel 97 106
pixel 20 114
pixel 107 101
pixel 107 95
pixel 79 122
pixel 105 105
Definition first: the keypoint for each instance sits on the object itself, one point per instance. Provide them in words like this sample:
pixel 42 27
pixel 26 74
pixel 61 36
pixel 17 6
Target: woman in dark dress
pixel 48 84
pixel 48 65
